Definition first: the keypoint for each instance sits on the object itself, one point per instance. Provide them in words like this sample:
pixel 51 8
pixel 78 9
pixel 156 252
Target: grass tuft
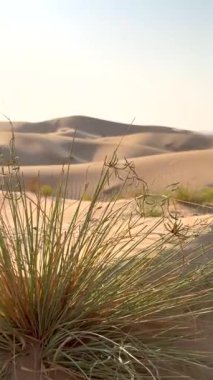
pixel 95 301
pixel 197 196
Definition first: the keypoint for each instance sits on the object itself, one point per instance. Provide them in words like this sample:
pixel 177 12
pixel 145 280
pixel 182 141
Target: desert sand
pixel 161 155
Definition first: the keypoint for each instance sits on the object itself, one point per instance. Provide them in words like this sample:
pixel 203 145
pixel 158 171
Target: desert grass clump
pixel 207 195
pixel 196 196
pixel 36 186
pixel 88 297
pixel 86 197
pixel 46 190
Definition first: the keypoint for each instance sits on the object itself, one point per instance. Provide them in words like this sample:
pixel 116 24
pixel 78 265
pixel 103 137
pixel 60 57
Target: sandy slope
pixel 20 370
pixel 162 155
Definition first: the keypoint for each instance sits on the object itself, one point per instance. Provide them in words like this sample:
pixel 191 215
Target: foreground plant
pixel 89 299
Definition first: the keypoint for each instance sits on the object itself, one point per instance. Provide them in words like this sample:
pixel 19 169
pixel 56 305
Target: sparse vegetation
pixel 148 204
pixel 46 190
pixel 151 205
pixel 198 196
pixel 180 193
pixel 86 197
pixel 36 186
pixel 96 303
pixel 207 195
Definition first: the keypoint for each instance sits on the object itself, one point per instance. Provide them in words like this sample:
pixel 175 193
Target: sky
pixel 148 60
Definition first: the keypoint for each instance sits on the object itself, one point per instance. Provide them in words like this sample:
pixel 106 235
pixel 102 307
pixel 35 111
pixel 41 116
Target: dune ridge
pixel 162 155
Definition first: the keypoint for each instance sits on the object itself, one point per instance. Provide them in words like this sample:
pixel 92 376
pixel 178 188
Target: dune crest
pixel 162 155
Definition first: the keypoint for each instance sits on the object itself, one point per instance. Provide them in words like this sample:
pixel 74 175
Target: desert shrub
pixel 207 195
pixel 153 211
pixel 148 204
pixel 86 197
pixel 152 205
pixel 46 190
pixel 89 296
pixel 199 196
pixel 188 195
pixel 35 185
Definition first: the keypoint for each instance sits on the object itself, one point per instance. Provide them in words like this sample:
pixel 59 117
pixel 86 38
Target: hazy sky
pixel 113 59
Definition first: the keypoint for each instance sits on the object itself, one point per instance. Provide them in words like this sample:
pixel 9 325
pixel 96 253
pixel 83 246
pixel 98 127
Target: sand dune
pixel 90 126
pixel 162 155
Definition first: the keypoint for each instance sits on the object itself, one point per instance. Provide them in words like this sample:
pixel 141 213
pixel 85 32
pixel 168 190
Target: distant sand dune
pixel 162 155
pixel 190 168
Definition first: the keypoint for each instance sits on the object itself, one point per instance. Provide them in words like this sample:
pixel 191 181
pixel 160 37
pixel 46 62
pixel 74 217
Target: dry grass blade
pixel 95 301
